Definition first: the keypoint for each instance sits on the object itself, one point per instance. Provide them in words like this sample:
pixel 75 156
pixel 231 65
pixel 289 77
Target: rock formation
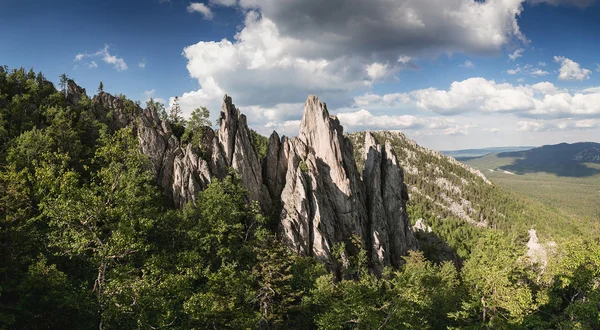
pixel 313 178
pixel 325 202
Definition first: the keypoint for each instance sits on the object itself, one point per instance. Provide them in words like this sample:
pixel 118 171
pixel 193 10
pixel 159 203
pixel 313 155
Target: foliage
pixel 260 144
pixel 87 241
pixel 194 130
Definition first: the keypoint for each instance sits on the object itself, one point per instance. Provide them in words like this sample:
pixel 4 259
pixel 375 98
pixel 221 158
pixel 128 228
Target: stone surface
pixel 325 202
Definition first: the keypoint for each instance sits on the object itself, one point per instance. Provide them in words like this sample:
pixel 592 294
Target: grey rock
pixel 324 200
pixel 74 92
pixel 240 154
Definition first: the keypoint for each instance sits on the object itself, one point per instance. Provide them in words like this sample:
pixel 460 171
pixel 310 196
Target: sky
pixel 450 74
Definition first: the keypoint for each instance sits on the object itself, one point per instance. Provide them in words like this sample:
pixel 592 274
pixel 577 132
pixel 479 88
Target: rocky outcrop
pixel 240 154
pixel 74 92
pixel 325 202
pixel 391 234
pixel 314 177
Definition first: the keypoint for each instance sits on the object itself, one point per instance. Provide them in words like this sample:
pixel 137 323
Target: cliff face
pixel 314 177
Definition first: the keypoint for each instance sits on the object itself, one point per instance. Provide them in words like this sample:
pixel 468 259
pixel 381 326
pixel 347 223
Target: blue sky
pixel 452 74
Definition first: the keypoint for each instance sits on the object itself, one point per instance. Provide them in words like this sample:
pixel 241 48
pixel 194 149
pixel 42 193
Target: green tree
pixel 194 130
pixel 107 221
pixel 101 87
pixel 498 279
pixel 64 80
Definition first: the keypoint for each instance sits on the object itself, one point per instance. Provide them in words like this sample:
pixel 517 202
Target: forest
pixel 88 241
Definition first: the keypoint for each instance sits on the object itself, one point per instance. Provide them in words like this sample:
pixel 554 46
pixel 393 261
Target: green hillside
pixel 574 196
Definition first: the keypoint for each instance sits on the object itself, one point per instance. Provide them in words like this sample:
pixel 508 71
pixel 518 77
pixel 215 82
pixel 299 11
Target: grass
pixel 578 197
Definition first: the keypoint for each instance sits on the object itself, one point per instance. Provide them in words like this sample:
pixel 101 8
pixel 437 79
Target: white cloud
pixel 103 53
pixel 479 95
pixel 514 71
pixel 287 128
pixel 387 99
pixel 364 119
pixel 571 70
pixel 474 94
pixel 201 8
pixel 406 59
pixel 557 125
pixel 459 129
pixel 285 50
pixel 527 69
pixel 377 71
pixel 516 54
pixel 468 64
pixel 542 64
pixel 142 63
pixel 531 126
pixel 597 67
pixel 538 72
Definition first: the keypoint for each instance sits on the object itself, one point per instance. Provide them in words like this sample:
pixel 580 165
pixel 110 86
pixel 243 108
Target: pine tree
pixel 63 83
pixel 101 87
pixel 176 111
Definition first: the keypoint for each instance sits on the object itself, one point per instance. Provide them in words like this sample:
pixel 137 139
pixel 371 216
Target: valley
pixel 571 185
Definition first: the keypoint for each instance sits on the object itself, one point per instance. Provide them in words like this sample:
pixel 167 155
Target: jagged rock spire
pixel 324 199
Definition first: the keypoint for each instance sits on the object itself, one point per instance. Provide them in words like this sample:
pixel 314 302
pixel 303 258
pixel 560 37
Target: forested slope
pixel 88 241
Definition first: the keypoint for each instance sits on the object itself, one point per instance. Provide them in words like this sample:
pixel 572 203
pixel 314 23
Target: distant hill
pixel 566 176
pixel 466 154
pixel 561 159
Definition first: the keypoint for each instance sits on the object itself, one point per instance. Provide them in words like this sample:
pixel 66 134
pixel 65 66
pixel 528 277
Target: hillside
pixel 544 180
pixel 449 194
pixel 569 160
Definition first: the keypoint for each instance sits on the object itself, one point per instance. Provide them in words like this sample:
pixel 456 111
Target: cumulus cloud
pixel 571 70
pixel 387 99
pixel 198 7
pixel 142 63
pixel 557 125
pixel 364 119
pixel 516 54
pixel 106 56
pixel 285 50
pixel 92 65
pixel 261 67
pixel 542 100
